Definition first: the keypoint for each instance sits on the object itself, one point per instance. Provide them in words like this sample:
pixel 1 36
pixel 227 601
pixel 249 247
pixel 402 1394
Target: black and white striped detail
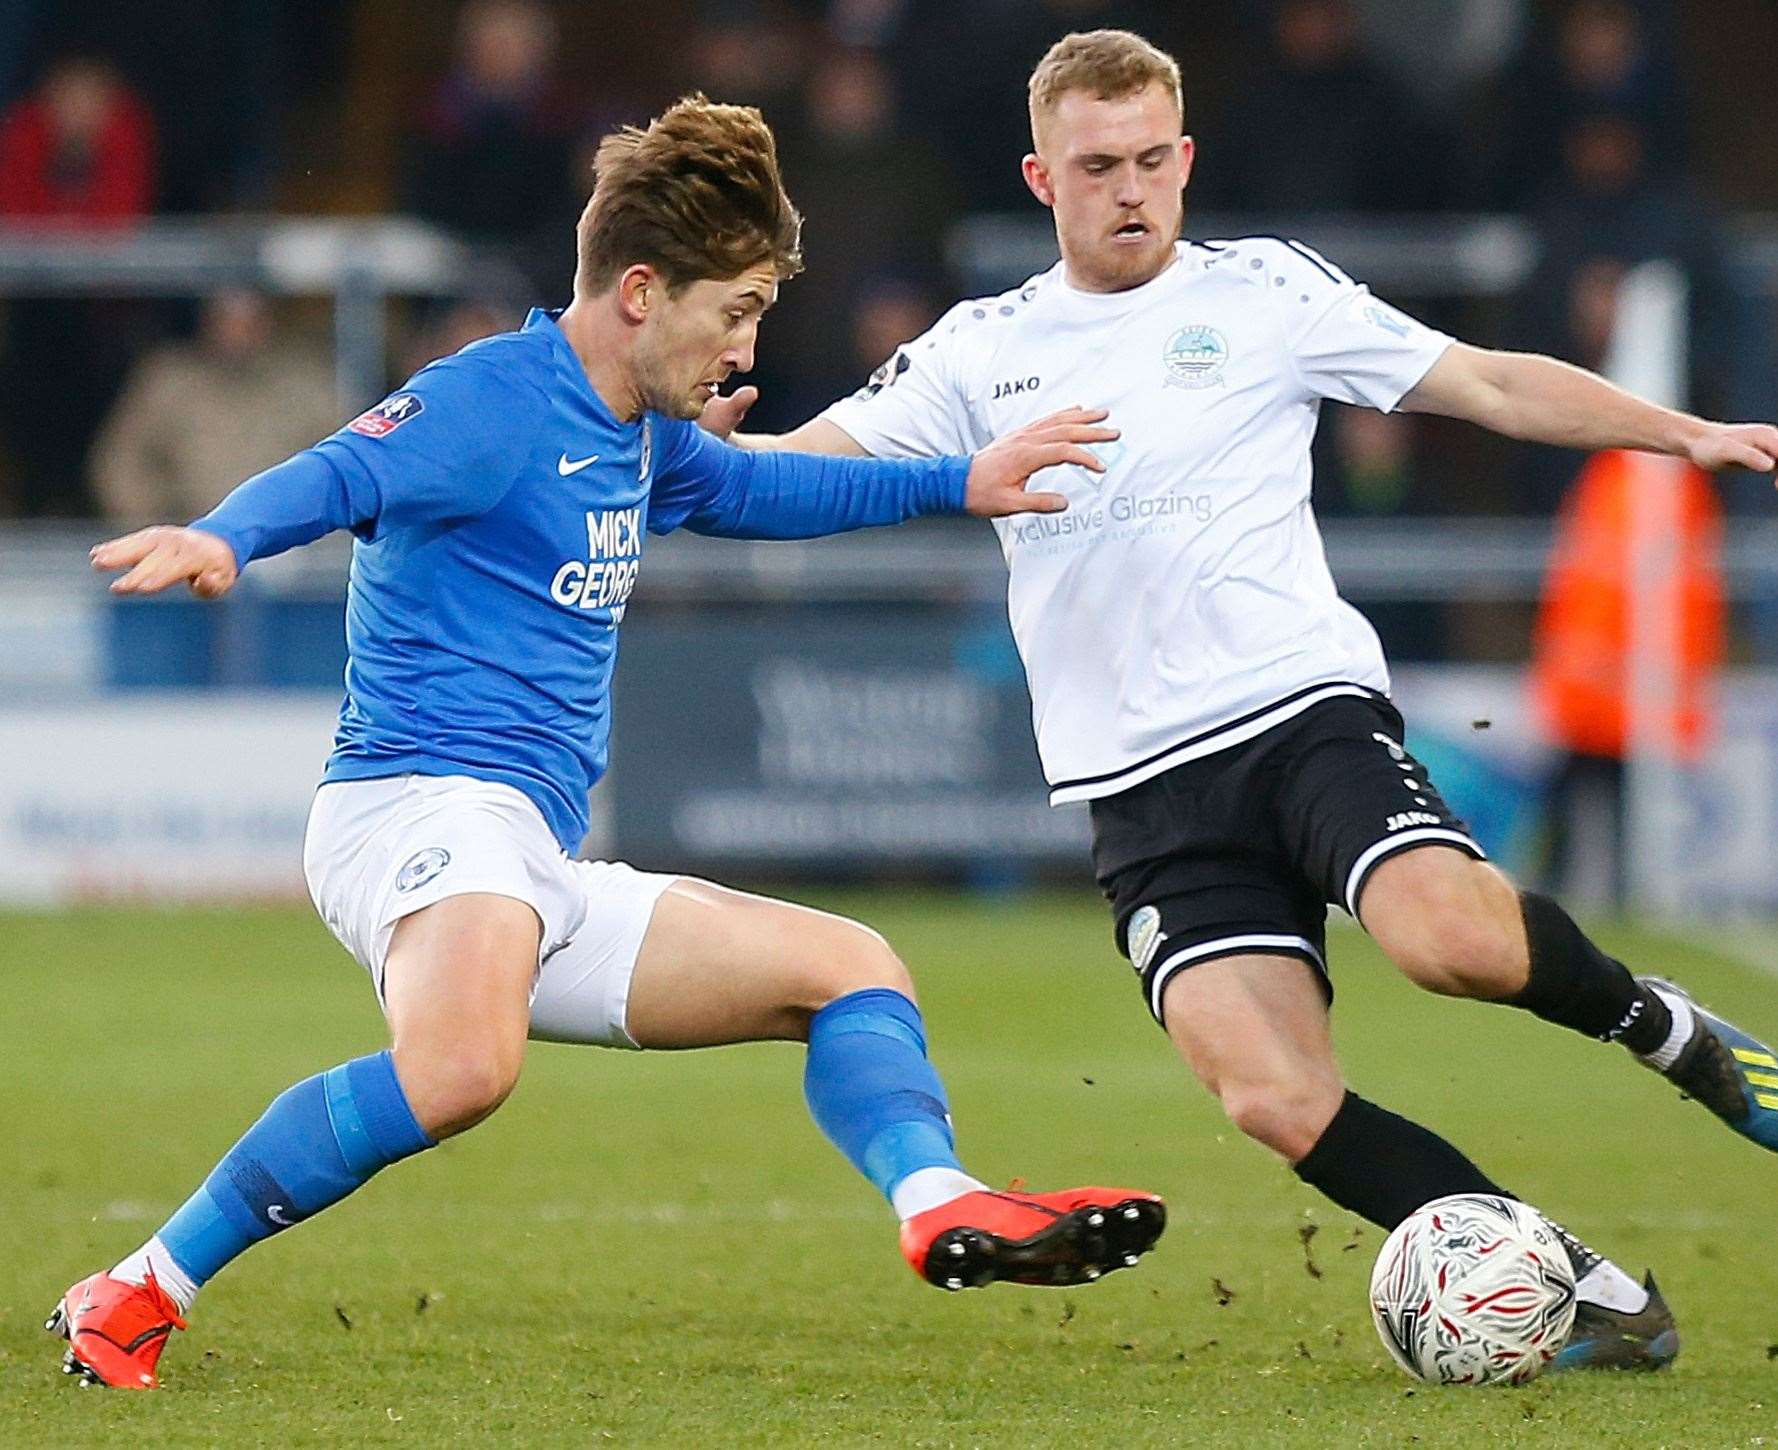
pixel 1321 264
pixel 1256 943
pixel 1207 742
pixel 1373 855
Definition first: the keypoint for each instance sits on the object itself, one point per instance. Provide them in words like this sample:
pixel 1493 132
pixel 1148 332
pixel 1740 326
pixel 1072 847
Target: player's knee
pixel 1289 1117
pixel 453 1086
pixel 856 959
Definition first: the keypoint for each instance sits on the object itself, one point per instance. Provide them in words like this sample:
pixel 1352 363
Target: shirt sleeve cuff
pixel 241 549
pixel 951 486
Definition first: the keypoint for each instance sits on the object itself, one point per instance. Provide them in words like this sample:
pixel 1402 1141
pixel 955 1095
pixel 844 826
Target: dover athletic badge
pixel 1195 357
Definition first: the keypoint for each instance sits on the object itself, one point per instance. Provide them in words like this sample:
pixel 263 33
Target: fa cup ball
pixel 1473 1289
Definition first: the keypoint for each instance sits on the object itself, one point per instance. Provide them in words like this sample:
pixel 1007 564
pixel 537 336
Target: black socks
pixel 1574 984
pixel 1382 1167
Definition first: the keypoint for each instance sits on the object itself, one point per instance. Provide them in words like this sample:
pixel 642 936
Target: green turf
pixel 662 1250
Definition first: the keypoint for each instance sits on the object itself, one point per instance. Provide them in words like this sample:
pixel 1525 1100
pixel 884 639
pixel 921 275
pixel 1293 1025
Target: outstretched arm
pixel 294 503
pixel 712 488
pixel 1540 400
pixel 423 455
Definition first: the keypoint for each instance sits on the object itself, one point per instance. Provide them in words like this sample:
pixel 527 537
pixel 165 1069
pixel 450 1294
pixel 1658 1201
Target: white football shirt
pixel 1183 603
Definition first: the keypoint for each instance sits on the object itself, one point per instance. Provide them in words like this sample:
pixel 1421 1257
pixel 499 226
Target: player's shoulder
pixel 973 332
pixel 525 353
pixel 1269 262
pixel 508 366
pixel 983 321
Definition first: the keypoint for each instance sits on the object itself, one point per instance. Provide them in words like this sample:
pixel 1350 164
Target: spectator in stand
pixel 961 71
pixel 1609 213
pixel 1598 61
pixel 195 418
pixel 77 151
pixel 1440 51
pixel 1369 471
pixel 752 54
pixel 874 203
pixel 217 75
pixel 1367 466
pixel 1319 128
pixel 495 140
pixel 884 312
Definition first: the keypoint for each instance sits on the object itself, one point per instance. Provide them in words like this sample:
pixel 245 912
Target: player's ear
pixel 639 291
pixel 1037 177
pixel 1188 149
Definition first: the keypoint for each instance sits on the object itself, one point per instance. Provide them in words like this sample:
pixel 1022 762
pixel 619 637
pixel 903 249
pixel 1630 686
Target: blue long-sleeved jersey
pixel 499 509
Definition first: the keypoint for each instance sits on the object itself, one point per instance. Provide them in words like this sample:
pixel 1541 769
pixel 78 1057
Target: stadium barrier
pixel 851 707
pixel 846 708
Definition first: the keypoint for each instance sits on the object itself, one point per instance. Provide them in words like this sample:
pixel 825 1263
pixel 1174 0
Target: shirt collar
pixel 1128 299
pixel 544 320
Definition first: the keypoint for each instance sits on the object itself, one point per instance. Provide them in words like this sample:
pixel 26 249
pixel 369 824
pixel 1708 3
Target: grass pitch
pixel 662 1250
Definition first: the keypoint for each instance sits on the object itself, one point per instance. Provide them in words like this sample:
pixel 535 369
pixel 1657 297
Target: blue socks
pixel 872 1091
pixel 316 1143
pixel 868 1083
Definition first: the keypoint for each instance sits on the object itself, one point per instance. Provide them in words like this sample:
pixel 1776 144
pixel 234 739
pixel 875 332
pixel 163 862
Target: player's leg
pixel 704 965
pixel 456 984
pixel 1358 816
pixel 1364 821
pixel 1226 936
pixel 1218 872
pixel 1458 926
pixel 430 883
pixel 1254 1031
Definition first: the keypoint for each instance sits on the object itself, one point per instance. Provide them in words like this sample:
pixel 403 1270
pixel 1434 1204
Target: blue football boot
pixel 1732 1074
pixel 1616 1339
pixel 1607 1338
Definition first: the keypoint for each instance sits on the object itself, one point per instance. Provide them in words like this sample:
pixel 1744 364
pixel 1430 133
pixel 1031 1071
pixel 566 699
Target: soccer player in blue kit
pixel 499 502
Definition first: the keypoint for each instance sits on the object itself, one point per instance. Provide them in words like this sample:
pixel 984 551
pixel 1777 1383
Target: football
pixel 1473 1289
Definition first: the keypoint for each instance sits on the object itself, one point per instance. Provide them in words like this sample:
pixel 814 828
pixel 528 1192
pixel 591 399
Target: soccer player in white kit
pixel 1196 678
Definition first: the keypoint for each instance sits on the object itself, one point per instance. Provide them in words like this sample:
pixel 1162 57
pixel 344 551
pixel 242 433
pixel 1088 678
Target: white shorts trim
pixel 377 851
pixel 1206 744
pixel 1222 946
pixel 1363 865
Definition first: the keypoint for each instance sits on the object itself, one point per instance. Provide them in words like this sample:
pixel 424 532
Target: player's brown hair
pixel 696 194
pixel 1109 64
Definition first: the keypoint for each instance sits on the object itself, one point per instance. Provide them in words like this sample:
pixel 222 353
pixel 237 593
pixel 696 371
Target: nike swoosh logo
pixel 565 466
pixel 275 1212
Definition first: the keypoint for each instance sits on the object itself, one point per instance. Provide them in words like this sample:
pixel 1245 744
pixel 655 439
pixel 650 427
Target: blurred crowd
pixel 896 117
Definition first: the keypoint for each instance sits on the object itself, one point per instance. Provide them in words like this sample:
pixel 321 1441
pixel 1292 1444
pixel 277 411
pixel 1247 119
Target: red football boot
pixel 1071 1237
pixel 115 1331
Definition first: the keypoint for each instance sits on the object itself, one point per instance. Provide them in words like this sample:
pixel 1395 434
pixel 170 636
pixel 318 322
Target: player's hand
pixel 1735 445
pixel 164 555
pixel 997 475
pixel 723 414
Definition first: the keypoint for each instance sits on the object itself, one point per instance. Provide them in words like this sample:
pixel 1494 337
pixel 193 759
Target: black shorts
pixel 1241 851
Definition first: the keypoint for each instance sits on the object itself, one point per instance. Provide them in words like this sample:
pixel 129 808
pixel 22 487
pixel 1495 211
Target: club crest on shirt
pixel 387 416
pixel 1143 937
pixel 1195 357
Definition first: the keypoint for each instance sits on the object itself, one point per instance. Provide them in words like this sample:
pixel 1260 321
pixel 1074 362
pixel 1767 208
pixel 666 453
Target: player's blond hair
pixel 1108 64
pixel 696 194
